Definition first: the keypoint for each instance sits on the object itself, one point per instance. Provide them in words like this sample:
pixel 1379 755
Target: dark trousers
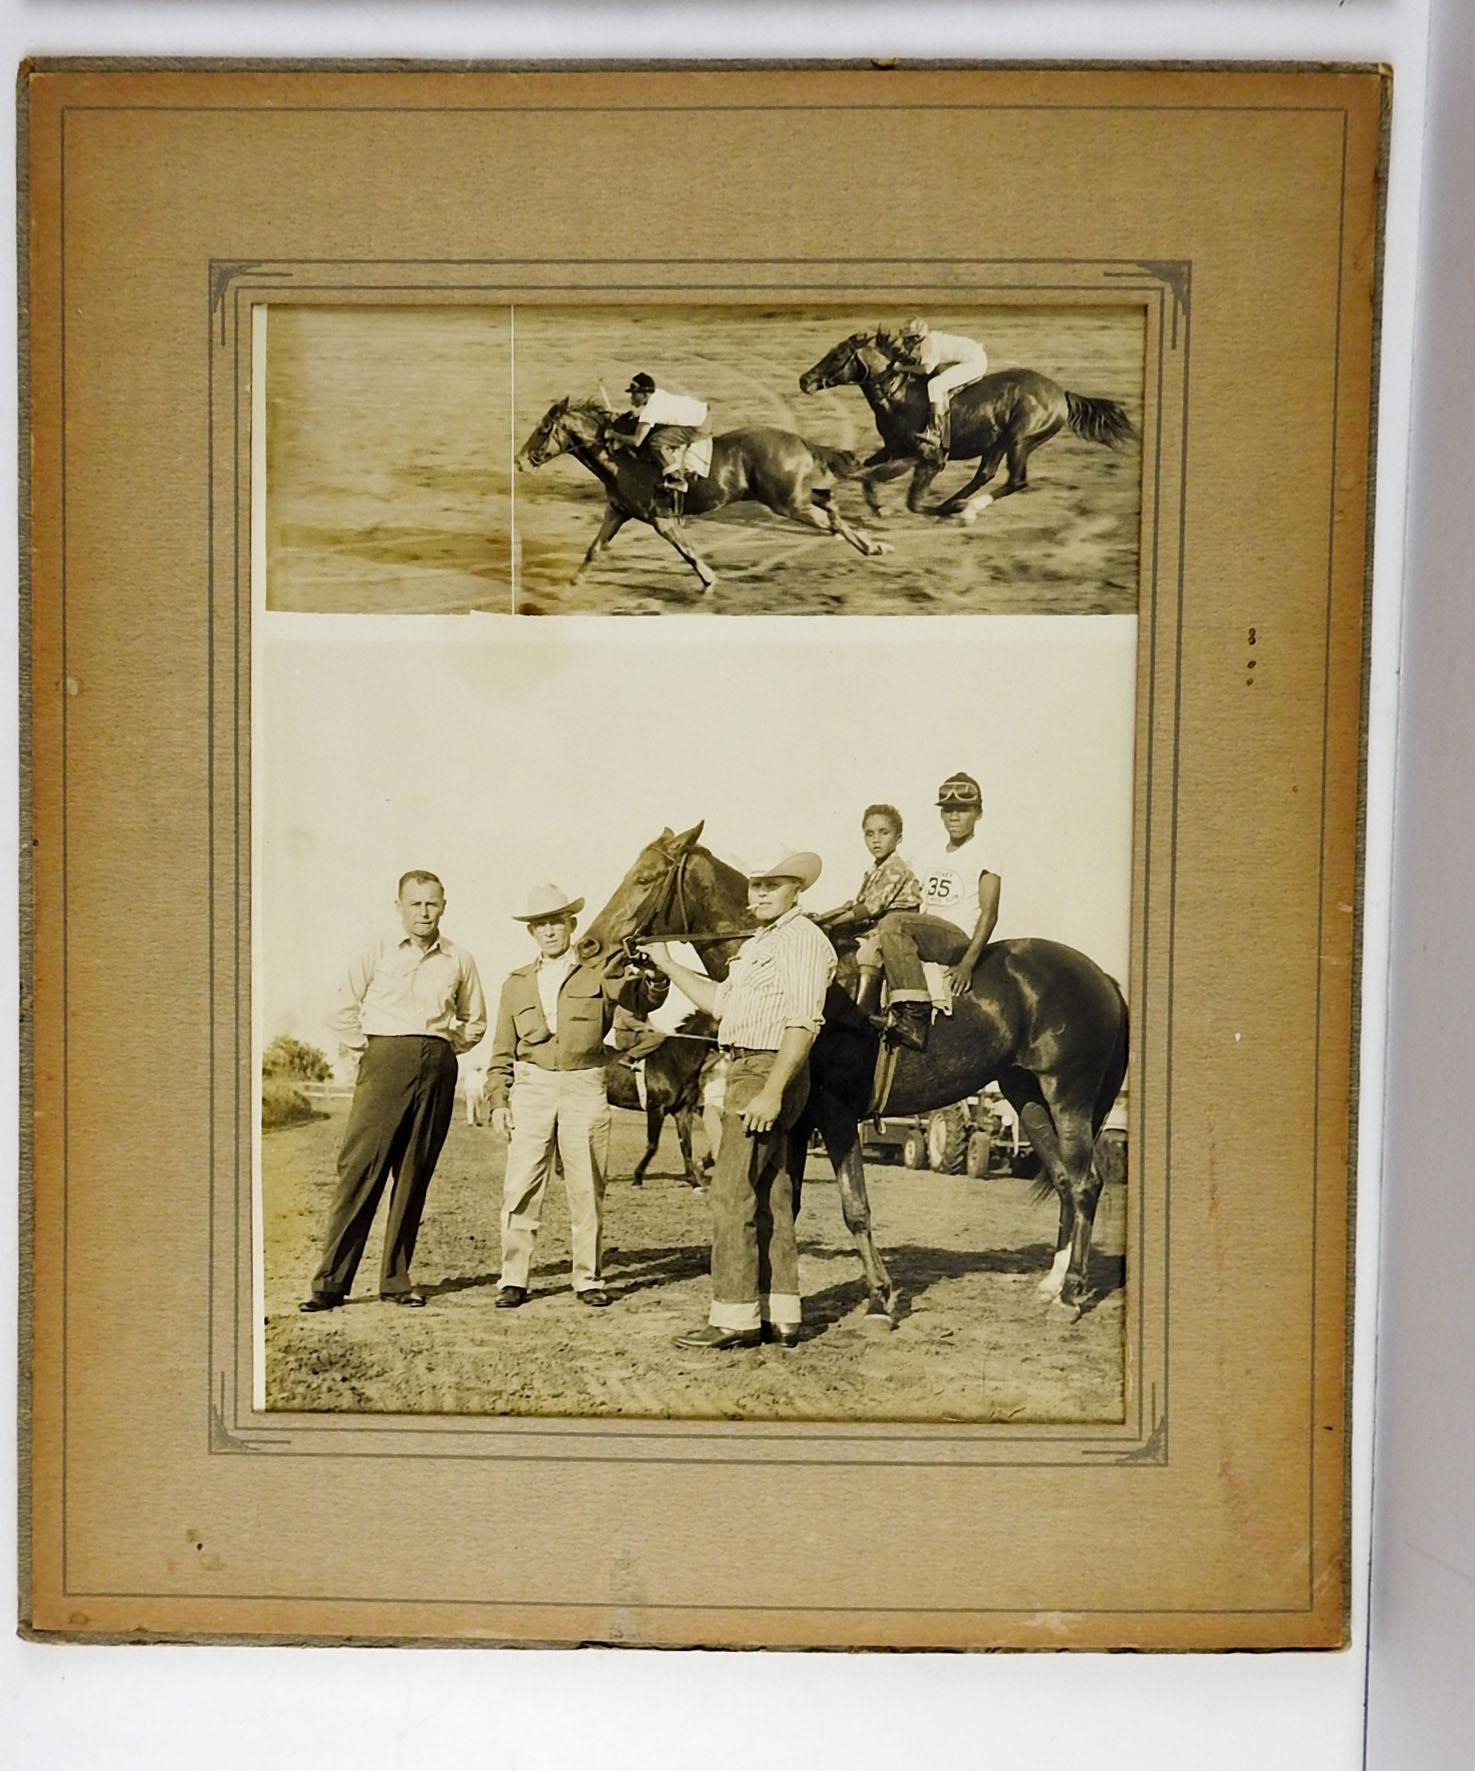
pixel 402 1105
pixel 910 936
pixel 755 1258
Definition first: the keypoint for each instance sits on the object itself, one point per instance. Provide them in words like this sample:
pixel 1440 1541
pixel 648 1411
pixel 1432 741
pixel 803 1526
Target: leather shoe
pixel 783 1334
pixel 311 1306
pixel 596 1297
pixel 908 1024
pixel 718 1340
pixel 510 1296
pixel 407 1300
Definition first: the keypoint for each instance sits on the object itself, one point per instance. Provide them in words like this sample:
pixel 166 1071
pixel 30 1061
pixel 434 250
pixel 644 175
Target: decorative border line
pixel 277 279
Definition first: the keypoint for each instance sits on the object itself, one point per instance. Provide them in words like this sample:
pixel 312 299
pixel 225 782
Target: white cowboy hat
pixel 800 864
pixel 547 900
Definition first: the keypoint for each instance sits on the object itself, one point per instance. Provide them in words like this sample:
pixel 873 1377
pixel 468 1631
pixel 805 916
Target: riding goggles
pixel 959 796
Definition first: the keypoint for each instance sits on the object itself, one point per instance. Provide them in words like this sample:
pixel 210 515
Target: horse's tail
pixel 1098 421
pixel 842 463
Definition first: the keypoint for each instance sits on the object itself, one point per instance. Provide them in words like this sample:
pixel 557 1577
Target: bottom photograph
pixel 663 1028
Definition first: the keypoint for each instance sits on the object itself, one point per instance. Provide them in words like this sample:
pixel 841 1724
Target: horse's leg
pixel 1072 1114
pixel 670 532
pixel 967 495
pixel 1022 1091
pixel 653 1118
pixel 614 521
pixel 1020 450
pixel 926 472
pixel 883 465
pixel 683 1117
pixel 841 1135
pixel 820 513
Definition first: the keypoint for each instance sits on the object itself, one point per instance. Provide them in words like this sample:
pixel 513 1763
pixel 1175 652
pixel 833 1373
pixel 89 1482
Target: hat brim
pixel 804 869
pixel 572 909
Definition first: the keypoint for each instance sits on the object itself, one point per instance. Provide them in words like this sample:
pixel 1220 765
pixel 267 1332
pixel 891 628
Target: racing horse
pixel 673 1089
pixel 1042 1020
pixel 1005 415
pixel 791 476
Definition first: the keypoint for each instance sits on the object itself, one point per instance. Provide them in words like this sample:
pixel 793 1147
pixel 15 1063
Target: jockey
pixel 667 424
pixel 949 362
pixel 635 1038
pixel 960 906
pixel 889 885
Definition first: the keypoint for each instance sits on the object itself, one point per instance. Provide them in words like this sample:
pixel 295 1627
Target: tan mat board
pixel 1237 214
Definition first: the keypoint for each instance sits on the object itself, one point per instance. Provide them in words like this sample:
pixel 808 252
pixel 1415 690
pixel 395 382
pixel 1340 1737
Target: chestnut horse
pixel 1042 1020
pixel 1007 414
pixel 792 477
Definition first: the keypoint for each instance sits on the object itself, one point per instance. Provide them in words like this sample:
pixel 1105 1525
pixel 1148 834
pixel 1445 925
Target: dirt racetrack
pixel 976 1344
pixel 390 484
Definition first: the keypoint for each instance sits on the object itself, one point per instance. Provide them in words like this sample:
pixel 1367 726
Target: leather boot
pixel 868 989
pixel 908 1024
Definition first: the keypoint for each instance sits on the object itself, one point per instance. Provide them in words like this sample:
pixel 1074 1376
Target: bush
pixel 286 1056
pixel 282 1104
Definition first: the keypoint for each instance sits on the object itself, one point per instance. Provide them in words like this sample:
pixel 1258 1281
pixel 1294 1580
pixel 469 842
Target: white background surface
pixel 166 1706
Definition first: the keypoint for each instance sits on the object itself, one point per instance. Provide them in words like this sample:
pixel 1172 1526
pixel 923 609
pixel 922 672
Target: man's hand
pixel 762 1111
pixel 502 1121
pixel 961 977
pixel 659 955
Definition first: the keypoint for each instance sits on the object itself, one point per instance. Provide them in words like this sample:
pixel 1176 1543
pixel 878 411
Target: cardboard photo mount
pixel 1241 209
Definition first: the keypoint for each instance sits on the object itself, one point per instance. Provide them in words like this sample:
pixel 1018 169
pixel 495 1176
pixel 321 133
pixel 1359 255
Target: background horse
pixel 792 477
pixel 1004 415
pixel 673 1090
pixel 1042 1020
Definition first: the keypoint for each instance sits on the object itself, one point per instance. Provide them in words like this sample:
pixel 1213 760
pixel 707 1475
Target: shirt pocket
pixel 531 1028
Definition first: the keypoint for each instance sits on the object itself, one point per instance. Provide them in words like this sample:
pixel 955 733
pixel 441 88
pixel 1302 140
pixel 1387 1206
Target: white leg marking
pixel 1049 1286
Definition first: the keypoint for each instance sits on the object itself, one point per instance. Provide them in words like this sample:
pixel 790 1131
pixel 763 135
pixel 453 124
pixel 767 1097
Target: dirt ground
pixel 976 1344
pixel 390 484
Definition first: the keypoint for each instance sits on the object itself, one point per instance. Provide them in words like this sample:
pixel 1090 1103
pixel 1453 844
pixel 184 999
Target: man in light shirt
pixel 409 1004
pixel 949 362
pixel 545 1087
pixel 960 906
pixel 666 425
pixel 769 1007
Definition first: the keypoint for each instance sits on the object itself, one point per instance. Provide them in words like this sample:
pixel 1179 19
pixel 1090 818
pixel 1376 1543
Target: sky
pixel 499 754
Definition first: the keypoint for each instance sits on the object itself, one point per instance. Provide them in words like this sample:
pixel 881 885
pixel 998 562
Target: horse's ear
pixel 688 838
pixel 664 840
pixel 604 398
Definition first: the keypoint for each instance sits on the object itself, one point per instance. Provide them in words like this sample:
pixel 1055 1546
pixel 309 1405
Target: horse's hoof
pixel 1048 1288
pixel 877 548
pixel 1066 1315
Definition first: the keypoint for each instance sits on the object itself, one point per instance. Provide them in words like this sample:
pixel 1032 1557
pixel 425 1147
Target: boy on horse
pixel 960 905
pixel 666 425
pixel 949 361
pixel 888 885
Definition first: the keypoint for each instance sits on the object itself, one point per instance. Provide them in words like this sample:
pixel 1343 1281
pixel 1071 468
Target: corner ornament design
pixel 224 271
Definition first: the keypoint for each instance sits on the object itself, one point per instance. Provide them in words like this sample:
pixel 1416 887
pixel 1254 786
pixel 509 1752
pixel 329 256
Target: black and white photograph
pixel 900 459
pixel 655 1029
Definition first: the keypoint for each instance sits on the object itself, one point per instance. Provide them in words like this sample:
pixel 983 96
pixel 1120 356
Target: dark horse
pixel 1042 1020
pixel 794 478
pixel 673 1089
pixel 1004 415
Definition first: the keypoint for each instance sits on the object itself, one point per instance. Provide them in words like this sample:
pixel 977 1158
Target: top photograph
pixel 441 460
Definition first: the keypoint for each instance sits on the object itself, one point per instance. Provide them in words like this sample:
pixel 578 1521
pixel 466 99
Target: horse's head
pixel 854 360
pixel 567 424
pixel 641 895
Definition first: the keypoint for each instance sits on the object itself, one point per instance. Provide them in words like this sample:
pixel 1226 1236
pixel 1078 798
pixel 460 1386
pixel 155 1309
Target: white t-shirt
pixel 664 407
pixel 950 885
pixel 551 976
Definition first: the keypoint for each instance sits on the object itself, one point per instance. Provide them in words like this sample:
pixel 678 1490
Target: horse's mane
pixel 697 1021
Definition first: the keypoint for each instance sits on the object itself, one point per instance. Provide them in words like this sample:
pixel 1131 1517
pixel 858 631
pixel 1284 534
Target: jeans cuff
pixel 785 1309
pixel 734 1316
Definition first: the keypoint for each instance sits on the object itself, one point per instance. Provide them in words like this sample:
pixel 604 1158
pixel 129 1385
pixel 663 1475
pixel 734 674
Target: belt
pixel 748 1051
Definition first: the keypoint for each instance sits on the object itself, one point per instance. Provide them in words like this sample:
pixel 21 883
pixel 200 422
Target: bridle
pixel 666 902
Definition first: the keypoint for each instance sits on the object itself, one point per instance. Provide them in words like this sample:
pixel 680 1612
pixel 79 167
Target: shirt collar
pixel 778 922
pixel 566 961
pixel 408 940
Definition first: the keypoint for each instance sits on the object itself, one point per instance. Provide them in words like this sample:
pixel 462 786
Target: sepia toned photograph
pixel 660 1077
pixel 703 460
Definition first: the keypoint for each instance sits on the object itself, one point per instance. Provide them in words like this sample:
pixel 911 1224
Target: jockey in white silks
pixel 949 361
pixel 667 424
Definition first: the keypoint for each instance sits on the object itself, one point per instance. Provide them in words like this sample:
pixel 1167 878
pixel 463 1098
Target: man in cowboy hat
pixel 666 425
pixel 960 905
pixel 949 361
pixel 769 1008
pixel 408 1005
pixel 545 1088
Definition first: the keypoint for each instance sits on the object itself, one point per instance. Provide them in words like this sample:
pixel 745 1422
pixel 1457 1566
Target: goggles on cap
pixel 958 793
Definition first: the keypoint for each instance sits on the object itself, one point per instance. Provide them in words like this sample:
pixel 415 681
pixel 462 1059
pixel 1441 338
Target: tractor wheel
pixel 914 1150
pixel 980 1155
pixel 947 1140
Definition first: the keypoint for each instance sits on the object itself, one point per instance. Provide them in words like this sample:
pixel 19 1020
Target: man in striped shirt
pixel 769 1007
